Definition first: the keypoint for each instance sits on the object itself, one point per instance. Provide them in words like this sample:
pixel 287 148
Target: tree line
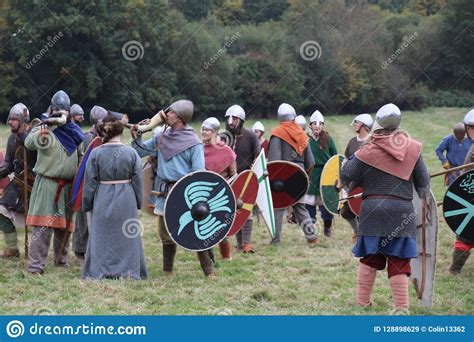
pixel 338 56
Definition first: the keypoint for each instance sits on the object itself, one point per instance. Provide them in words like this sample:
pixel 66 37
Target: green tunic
pixel 320 158
pixel 52 162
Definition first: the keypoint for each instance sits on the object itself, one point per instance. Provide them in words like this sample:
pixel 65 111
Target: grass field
pixel 289 280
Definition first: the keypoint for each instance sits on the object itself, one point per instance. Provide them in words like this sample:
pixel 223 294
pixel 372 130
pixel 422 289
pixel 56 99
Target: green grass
pixel 292 279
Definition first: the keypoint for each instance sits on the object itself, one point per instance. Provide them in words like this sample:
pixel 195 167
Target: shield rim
pixel 352 200
pixel 428 302
pixel 321 186
pixel 254 202
pixel 166 203
pixel 444 200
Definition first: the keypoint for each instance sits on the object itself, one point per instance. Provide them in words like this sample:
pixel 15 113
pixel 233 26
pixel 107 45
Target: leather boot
pixel 459 259
pixel 224 248
pixel 206 263
pixel 11 250
pixel 327 228
pixel 169 253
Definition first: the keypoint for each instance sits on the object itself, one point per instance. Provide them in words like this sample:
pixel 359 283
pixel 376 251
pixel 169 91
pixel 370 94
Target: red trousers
pixel 395 265
pixel 462 246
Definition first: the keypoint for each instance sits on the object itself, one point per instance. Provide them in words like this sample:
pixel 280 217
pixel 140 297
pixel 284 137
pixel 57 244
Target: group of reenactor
pixel 42 158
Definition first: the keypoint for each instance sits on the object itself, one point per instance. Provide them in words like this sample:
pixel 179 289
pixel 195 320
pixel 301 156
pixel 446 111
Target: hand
pixel 4 171
pixel 134 132
pixel 339 185
pixel 144 122
pixel 35 122
pixel 43 132
pixel 446 165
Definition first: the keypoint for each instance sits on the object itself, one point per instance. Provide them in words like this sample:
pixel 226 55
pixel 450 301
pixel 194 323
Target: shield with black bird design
pixel 200 210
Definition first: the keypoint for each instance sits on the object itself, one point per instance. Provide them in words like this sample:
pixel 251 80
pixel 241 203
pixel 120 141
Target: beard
pixel 14 129
pixel 236 130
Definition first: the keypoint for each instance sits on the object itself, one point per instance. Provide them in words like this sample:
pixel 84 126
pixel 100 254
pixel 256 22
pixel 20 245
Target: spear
pixel 457 168
pixel 25 196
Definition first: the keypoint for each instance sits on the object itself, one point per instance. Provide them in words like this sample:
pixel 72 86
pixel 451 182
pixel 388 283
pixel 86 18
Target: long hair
pixel 323 140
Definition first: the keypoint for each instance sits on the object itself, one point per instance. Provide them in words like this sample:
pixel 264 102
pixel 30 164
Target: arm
pixel 308 160
pixel 91 180
pixel 352 172
pixel 274 149
pixel 197 158
pixel 32 138
pixel 443 145
pixel 421 178
pixel 150 144
pixel 255 147
pixel 7 166
pixel 80 150
pixel 469 158
pixel 346 152
pixel 232 169
pixel 137 179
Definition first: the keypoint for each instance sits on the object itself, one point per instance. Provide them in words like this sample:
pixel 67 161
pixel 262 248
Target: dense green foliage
pixel 219 52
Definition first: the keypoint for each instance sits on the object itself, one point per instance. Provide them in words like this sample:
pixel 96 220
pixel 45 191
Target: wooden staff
pixel 25 196
pixel 457 168
pixel 351 197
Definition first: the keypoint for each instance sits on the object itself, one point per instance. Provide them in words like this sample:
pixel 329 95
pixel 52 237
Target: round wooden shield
pixel 200 210
pixel 458 206
pixel 245 187
pixel 356 202
pixel 288 183
pixel 329 192
pixel 4 181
